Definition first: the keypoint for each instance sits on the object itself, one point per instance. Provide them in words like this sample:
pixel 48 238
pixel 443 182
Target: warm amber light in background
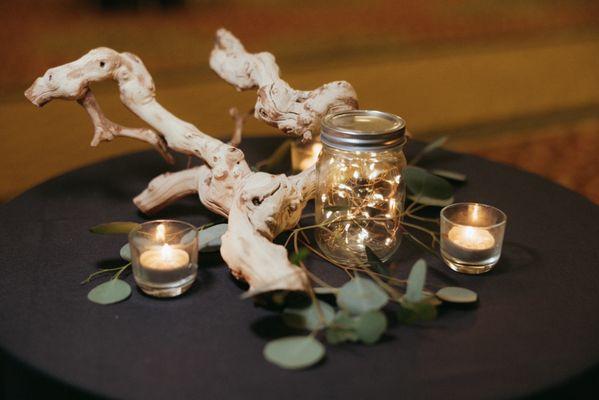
pixel 447 77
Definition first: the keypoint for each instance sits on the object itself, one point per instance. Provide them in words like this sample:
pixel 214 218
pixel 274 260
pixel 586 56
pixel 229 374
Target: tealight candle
pixel 165 264
pixel 164 257
pixel 471 237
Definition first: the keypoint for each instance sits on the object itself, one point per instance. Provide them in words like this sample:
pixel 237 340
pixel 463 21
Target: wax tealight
pixel 166 258
pixel 471 238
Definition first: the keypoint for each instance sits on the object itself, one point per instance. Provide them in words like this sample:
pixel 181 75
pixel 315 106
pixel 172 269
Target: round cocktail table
pixel 535 327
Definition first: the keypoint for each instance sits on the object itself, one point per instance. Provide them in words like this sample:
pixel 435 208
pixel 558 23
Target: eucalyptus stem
pixel 124 267
pixel 392 292
pixel 383 276
pixel 310 289
pixel 102 271
pixel 424 219
pixel 427 248
pixel 432 234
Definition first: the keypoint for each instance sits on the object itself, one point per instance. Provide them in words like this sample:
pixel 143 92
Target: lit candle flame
pixel 160 233
pixel 166 253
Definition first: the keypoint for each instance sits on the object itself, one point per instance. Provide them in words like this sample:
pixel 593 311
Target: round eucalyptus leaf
pixel 429 201
pixel 189 236
pixel 310 317
pixel 336 335
pixel 425 186
pixel 126 252
pixel 451 175
pixel 371 326
pixel 413 312
pixel 112 228
pixel 440 141
pixel 209 238
pixel 416 282
pixel 454 294
pixel 110 292
pixel 294 352
pixel 343 329
pixel 361 295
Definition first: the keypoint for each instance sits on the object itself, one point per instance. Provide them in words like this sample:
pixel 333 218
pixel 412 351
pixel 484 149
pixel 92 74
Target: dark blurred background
pixel 512 80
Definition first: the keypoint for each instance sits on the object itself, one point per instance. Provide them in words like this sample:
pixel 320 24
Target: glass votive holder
pixel 164 255
pixel 471 237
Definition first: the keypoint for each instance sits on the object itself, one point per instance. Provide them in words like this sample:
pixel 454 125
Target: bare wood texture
pixel 294 112
pixel 259 205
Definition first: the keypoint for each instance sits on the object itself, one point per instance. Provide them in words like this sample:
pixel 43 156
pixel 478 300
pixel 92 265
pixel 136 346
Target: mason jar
pixel 360 192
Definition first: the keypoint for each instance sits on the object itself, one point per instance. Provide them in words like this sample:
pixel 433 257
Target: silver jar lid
pixel 362 130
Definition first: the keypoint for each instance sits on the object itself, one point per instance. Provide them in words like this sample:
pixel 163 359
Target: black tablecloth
pixel 535 329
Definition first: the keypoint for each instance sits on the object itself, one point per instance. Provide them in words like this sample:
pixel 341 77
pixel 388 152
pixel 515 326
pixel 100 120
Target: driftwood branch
pixel 259 205
pixel 294 112
pixel 106 130
pixel 170 187
pixel 239 118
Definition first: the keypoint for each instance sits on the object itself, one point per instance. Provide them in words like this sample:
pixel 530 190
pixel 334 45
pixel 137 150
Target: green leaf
pixel 300 256
pixel 426 187
pixel 412 312
pixel 375 262
pixel 435 144
pixel 371 326
pixel 336 335
pixel 451 175
pixel 110 292
pixel 126 252
pixel 209 238
pixel 112 228
pixel 416 282
pixel 342 329
pixel 455 294
pixel 429 201
pixel 309 318
pixel 294 352
pixel 360 295
pixel 279 161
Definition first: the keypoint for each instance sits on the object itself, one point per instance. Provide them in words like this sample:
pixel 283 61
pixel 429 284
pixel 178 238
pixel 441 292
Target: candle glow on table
pixel 471 237
pixel 165 257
